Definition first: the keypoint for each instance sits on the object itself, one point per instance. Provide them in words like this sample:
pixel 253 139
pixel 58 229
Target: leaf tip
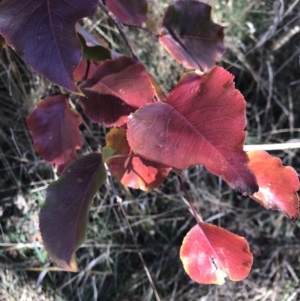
pixel 67 265
pixel 220 277
pixel 79 93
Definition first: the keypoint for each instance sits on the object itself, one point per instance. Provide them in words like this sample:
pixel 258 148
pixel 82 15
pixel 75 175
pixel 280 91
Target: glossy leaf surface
pixel 129 11
pixel 43 34
pixel 64 217
pixel 118 88
pixel 53 126
pixel 131 171
pixel 201 122
pixel 190 36
pixel 278 184
pixel 210 253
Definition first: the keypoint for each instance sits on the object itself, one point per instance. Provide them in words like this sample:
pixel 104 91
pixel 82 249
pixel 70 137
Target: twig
pixel 143 28
pixel 270 147
pixel 189 200
pixel 119 200
pixel 119 26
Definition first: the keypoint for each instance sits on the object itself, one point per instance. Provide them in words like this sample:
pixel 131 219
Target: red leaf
pixel 129 11
pixel 131 171
pixel 64 217
pixel 43 33
pixel 201 122
pixel 278 185
pixel 210 253
pixel 54 130
pixel 118 88
pixel 81 70
pixel 190 36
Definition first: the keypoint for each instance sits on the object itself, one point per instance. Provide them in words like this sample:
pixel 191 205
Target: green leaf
pixel 64 217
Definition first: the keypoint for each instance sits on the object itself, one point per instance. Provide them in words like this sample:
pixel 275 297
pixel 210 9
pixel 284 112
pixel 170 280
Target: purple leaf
pixel 43 33
pixel 64 217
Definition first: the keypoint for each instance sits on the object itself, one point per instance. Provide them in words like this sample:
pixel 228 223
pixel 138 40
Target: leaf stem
pixel 189 200
pixel 119 26
pixel 143 28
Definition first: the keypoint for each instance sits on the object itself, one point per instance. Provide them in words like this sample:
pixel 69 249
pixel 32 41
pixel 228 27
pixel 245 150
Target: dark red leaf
pixel 81 70
pixel 129 11
pixel 43 33
pixel 210 253
pixel 201 122
pixel 118 88
pixel 190 36
pixel 64 217
pixel 278 185
pixel 131 171
pixel 53 126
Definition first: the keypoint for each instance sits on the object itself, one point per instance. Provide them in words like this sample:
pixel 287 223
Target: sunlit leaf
pixel 43 34
pixel 278 184
pixel 118 88
pixel 190 36
pixel 129 11
pixel 201 122
pixel 210 253
pixel 64 217
pixel 131 171
pixel 53 126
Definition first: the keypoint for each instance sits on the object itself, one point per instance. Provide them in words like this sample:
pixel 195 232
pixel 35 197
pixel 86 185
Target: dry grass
pixel 266 66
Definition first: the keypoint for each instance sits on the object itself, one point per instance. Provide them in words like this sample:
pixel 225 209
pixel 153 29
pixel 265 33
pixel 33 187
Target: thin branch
pixel 143 28
pixel 119 26
pixel 270 147
pixel 189 200
pixel 119 200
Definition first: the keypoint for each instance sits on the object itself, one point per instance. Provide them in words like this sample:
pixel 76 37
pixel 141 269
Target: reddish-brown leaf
pixel 201 122
pixel 210 253
pixel 190 36
pixel 278 184
pixel 129 11
pixel 118 88
pixel 64 217
pixel 53 126
pixel 43 33
pixel 81 70
pixel 131 171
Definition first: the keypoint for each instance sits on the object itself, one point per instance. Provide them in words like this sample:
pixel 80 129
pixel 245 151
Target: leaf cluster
pixel 201 121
